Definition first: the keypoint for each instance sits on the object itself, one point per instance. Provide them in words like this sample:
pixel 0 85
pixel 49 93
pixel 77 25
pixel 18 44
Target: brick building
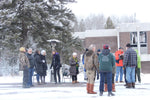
pixel 137 34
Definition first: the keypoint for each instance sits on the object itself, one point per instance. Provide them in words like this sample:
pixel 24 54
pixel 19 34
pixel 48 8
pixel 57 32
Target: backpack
pixel 105 58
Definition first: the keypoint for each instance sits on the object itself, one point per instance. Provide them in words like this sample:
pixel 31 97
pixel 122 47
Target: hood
pixel 105 51
pixel 89 53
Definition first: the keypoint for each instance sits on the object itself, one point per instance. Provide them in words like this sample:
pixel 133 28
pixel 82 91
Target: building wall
pixel 100 41
pixel 145 67
pixel 148 41
pixel 124 39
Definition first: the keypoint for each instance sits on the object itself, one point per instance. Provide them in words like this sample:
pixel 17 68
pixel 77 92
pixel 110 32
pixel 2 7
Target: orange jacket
pixel 117 53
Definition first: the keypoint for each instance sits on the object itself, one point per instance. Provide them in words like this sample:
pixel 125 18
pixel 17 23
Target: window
pixel 134 39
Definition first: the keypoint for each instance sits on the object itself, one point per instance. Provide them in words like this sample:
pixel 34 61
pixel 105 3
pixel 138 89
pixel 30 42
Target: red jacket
pixel 117 53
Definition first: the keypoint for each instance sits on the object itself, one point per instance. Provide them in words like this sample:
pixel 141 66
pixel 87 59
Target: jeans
pixel 31 70
pixel 130 74
pixel 108 75
pixel 119 70
pixel 38 77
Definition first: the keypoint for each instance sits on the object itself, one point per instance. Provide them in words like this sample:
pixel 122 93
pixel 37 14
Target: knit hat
pixel 99 50
pixel 105 46
pixel 120 48
pixel 128 45
pixel 22 49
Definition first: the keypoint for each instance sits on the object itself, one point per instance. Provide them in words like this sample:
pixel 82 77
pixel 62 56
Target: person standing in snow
pixel 119 64
pixel 113 80
pixel 74 69
pixel 91 66
pixel 56 65
pixel 85 76
pixel 107 62
pixel 24 66
pixel 130 62
pixel 32 65
pixel 38 66
pixel 138 68
pixel 44 64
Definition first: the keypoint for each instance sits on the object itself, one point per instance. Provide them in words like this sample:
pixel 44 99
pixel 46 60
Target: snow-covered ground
pixel 10 92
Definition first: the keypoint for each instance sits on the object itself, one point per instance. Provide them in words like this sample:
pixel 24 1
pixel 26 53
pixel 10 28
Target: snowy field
pixel 11 89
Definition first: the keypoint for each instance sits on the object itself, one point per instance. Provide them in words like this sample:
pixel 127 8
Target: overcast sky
pixel 84 8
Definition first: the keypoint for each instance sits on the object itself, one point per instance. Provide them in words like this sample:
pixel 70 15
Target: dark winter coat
pixel 31 60
pixel 44 65
pixel 74 66
pixel 55 62
pixel 38 64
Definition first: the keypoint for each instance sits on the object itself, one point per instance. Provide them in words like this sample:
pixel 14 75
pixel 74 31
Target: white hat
pixel 74 54
pixel 43 51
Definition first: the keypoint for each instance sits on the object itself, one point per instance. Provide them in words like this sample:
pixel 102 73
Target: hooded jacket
pixel 106 65
pixel 91 61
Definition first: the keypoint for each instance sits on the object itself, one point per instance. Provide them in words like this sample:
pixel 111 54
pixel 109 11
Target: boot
pixel 129 85
pixel 87 87
pixel 105 88
pixel 111 94
pixel 101 93
pixel 133 85
pixel 91 88
pixel 73 82
pixel 76 81
pixel 113 87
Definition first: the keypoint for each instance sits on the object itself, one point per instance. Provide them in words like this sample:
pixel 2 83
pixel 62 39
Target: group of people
pixel 30 62
pixel 107 65
pixel 103 63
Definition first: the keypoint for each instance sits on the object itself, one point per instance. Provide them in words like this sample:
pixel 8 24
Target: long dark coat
pixel 38 64
pixel 55 61
pixel 73 69
pixel 44 65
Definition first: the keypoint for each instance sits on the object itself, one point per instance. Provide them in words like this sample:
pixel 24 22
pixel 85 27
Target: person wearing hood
pixel 56 65
pixel 24 66
pixel 38 66
pixel 91 66
pixel 107 62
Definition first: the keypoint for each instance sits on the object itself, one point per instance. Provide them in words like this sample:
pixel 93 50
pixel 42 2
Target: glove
pixel 43 61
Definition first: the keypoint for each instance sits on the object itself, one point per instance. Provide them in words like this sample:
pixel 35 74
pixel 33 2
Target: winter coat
pixel 23 61
pixel 74 66
pixel 31 60
pixel 117 57
pixel 138 60
pixel 38 64
pixel 55 62
pixel 91 64
pixel 44 65
pixel 106 65
pixel 130 58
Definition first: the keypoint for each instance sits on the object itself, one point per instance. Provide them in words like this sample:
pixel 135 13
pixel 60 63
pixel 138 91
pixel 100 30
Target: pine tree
pixel 31 23
pixel 109 24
